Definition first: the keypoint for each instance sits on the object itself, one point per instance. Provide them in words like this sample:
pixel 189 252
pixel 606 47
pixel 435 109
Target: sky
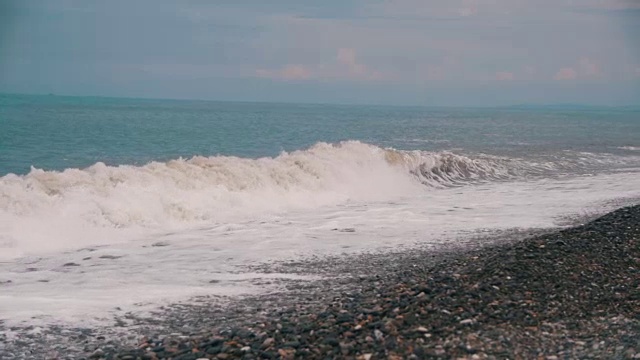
pixel 398 52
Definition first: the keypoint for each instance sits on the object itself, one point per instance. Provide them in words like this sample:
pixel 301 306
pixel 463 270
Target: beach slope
pixel 574 293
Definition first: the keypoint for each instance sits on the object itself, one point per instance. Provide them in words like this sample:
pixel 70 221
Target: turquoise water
pixel 55 132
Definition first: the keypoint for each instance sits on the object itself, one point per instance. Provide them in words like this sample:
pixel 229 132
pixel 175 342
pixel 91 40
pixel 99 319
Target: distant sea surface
pixel 56 132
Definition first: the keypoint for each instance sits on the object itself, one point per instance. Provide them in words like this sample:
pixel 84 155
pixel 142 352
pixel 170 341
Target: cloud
pixel 585 68
pixel 347 56
pixel 420 45
pixel 589 67
pixel 504 76
pixel 406 41
pixel 566 73
pixel 345 66
pixel 469 8
pixel 436 10
pixel 355 70
pixel 289 72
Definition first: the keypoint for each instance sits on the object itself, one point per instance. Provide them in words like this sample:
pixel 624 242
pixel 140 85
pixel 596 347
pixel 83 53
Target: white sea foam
pixel 217 214
pixel 174 266
pixel 630 148
pixel 48 211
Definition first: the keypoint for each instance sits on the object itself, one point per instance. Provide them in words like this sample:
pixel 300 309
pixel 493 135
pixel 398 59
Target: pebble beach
pixel 570 294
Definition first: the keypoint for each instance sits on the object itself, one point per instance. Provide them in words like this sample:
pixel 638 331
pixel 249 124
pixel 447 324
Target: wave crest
pixel 102 204
pixel 206 189
pixel 445 169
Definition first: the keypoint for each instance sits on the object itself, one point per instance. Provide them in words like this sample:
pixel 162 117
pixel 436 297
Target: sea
pixel 110 204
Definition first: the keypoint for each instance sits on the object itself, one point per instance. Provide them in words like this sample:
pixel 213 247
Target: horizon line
pixel 514 105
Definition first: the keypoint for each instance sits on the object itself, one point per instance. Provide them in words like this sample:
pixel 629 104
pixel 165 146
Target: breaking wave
pixel 630 148
pixel 199 187
pixel 205 190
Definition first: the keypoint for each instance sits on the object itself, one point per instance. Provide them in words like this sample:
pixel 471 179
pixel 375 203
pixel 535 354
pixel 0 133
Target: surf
pixel 53 210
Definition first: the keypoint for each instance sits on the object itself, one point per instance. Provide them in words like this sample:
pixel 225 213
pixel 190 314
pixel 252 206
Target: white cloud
pixel 566 73
pixel 353 69
pixel 184 70
pixel 585 68
pixel 469 8
pixel 289 72
pixel 345 67
pixel 407 41
pixel 347 56
pixel 588 67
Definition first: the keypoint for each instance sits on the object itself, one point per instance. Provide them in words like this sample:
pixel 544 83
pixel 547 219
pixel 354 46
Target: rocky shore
pixel 572 294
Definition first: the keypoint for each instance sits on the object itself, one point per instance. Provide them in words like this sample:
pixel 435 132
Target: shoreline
pixel 572 293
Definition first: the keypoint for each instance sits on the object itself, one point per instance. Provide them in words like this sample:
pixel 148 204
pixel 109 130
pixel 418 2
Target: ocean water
pixel 155 198
pixel 56 133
